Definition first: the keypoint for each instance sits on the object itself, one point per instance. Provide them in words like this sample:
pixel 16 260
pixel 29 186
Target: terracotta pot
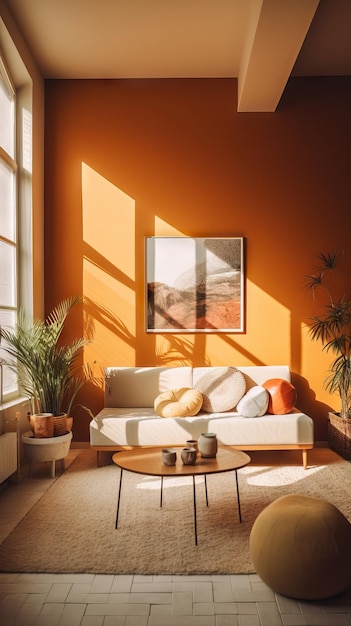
pixel 42 425
pixel 69 423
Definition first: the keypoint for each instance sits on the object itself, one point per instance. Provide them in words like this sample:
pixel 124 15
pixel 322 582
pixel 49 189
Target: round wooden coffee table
pixel 149 461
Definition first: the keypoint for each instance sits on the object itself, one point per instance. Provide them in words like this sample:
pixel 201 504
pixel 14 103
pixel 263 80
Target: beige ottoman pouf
pixel 301 547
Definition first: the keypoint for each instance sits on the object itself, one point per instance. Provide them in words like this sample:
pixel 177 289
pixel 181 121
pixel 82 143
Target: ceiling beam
pixel 275 34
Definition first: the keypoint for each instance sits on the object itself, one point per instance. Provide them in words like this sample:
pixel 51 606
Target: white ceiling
pixel 259 42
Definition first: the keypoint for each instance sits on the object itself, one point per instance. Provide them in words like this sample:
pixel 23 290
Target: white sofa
pixel 128 418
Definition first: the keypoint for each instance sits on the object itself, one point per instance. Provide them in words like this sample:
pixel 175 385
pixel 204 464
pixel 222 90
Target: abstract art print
pixel 195 284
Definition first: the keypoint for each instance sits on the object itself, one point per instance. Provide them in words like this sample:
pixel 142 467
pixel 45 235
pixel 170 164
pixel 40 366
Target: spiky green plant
pixel 332 327
pixel 46 368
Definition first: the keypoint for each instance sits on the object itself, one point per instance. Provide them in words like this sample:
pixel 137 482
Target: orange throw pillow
pixel 282 396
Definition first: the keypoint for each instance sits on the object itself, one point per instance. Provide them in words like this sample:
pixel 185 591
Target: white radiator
pixel 8 455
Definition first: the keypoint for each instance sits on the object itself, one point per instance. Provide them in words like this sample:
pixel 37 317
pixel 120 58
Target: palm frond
pixel 328 260
pixel 332 328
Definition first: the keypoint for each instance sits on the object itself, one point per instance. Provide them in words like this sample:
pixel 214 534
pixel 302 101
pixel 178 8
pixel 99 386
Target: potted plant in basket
pixel 331 326
pixel 46 368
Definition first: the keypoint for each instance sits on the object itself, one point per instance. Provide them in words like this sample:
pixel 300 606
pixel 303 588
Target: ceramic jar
pixel 169 456
pixel 188 456
pixel 208 444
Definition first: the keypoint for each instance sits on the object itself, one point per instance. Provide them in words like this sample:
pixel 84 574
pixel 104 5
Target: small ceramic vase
pixel 189 456
pixel 169 456
pixel 208 444
pixel 192 443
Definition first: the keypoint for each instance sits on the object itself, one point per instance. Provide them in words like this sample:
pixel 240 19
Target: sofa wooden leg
pixel 304 459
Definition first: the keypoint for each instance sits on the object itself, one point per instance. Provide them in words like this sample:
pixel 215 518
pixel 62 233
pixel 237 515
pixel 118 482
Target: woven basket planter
pixel 339 435
pixel 60 425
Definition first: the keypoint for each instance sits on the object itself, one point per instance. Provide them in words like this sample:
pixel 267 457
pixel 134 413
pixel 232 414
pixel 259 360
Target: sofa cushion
pixel 254 403
pixel 182 402
pixel 221 388
pixel 282 396
pixel 142 427
pixel 138 386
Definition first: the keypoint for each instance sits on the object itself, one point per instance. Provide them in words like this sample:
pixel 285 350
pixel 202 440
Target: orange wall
pixel 130 159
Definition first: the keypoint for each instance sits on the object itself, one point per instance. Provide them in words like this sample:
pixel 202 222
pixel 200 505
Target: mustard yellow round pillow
pixel 183 402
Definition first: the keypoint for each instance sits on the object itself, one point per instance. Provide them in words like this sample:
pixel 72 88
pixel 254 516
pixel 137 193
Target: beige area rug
pixel 72 528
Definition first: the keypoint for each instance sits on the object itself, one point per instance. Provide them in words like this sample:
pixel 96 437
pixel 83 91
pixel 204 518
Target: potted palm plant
pixel 46 367
pixel 331 326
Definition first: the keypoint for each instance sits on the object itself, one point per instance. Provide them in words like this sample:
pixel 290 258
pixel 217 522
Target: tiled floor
pixel 103 600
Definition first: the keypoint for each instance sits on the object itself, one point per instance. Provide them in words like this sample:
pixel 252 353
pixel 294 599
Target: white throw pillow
pixel 254 403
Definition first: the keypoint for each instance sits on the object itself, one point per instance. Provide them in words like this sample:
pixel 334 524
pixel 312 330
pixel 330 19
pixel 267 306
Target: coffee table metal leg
pixel 205 477
pixel 195 520
pixel 119 496
pixel 161 494
pixel 237 494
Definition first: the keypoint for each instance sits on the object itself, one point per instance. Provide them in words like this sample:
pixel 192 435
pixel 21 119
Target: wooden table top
pixel 149 461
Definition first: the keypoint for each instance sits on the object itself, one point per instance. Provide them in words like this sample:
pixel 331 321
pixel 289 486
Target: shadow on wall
pixel 307 403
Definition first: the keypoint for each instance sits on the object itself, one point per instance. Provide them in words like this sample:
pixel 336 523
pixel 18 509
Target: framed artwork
pixel 194 284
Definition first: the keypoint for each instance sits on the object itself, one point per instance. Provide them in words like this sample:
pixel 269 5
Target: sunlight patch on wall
pixel 266 317
pixel 108 216
pixel 108 221
pixel 114 316
pixel 163 229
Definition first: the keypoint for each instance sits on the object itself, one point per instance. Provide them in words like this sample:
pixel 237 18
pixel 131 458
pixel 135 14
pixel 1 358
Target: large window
pixel 8 221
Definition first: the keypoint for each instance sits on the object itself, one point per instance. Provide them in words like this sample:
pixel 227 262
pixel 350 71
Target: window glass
pixel 27 140
pixel 8 377
pixel 7 135
pixel 7 274
pixel 7 195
